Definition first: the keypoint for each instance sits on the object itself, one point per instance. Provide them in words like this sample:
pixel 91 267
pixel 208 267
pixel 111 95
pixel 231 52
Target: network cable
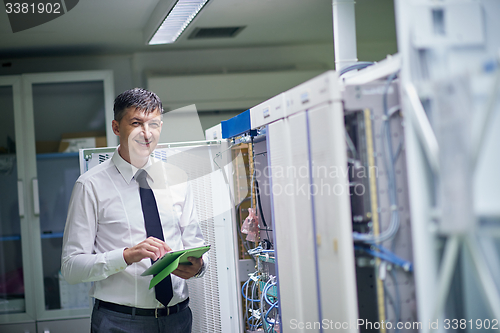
pixel 386 255
pixel 359 65
pixel 266 317
pixel 262 307
pixel 251 303
pixel 245 292
pixel 253 326
pixel 273 304
pixel 258 250
pixel 389 160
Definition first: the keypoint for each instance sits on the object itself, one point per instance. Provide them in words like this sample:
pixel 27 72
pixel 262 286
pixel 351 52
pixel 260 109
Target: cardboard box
pixel 44 147
pixel 72 142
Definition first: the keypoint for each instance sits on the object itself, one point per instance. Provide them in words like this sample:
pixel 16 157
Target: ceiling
pixel 117 26
pixel 95 27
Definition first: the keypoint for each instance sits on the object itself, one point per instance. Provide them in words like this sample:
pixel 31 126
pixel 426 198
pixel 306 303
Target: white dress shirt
pixel 105 217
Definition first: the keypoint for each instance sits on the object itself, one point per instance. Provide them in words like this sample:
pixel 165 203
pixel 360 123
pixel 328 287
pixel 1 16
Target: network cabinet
pixel 337 252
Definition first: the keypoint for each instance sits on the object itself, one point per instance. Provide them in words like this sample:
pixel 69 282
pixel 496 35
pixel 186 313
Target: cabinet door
pixel 59 105
pixel 16 292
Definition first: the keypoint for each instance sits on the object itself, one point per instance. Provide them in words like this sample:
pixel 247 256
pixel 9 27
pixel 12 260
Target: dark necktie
pixel 152 222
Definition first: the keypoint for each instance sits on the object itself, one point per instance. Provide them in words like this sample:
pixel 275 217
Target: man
pixel 125 213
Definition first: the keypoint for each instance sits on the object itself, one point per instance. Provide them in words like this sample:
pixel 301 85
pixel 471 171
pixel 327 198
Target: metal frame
pixel 431 58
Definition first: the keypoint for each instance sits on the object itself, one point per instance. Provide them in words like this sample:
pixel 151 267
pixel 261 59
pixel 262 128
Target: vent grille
pixel 204 293
pixel 225 32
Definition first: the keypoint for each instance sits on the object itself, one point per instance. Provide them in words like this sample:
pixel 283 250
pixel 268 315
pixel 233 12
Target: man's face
pixel 139 134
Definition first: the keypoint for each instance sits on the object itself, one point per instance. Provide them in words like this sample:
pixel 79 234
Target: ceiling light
pixel 176 21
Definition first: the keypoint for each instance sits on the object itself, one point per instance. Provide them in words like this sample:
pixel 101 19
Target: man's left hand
pixel 188 271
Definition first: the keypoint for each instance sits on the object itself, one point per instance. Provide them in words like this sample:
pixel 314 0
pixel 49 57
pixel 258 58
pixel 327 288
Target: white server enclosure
pixel 312 216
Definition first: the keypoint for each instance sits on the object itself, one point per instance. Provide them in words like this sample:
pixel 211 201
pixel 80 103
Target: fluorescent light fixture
pixel 177 21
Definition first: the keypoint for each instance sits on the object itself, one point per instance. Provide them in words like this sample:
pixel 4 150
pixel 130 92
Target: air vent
pixel 224 32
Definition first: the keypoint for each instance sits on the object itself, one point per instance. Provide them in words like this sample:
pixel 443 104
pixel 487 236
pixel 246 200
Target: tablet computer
pixel 180 257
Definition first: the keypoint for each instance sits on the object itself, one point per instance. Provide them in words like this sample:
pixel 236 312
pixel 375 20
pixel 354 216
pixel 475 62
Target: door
pixel 75 107
pixel 16 283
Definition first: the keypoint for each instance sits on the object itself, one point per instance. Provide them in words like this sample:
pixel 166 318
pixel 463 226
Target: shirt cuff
pixel 202 271
pixel 115 261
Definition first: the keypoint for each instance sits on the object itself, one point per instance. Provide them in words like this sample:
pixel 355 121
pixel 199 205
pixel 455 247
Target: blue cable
pixel 403 263
pixel 386 255
pixel 251 325
pixel 274 305
pixel 245 296
pixel 266 289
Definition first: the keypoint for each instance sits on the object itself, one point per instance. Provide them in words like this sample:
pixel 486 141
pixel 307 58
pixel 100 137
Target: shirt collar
pixel 127 170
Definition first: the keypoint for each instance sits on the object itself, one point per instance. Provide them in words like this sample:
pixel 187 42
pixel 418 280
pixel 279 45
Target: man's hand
pixel 188 271
pixel 152 247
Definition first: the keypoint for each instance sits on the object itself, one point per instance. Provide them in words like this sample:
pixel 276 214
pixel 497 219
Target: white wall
pixel 131 70
pixel 251 59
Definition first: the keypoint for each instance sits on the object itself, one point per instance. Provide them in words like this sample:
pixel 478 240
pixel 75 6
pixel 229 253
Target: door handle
pixel 36 198
pixel 20 197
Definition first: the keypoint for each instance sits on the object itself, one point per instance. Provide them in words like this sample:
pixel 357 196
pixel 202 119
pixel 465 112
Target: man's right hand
pixel 152 247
